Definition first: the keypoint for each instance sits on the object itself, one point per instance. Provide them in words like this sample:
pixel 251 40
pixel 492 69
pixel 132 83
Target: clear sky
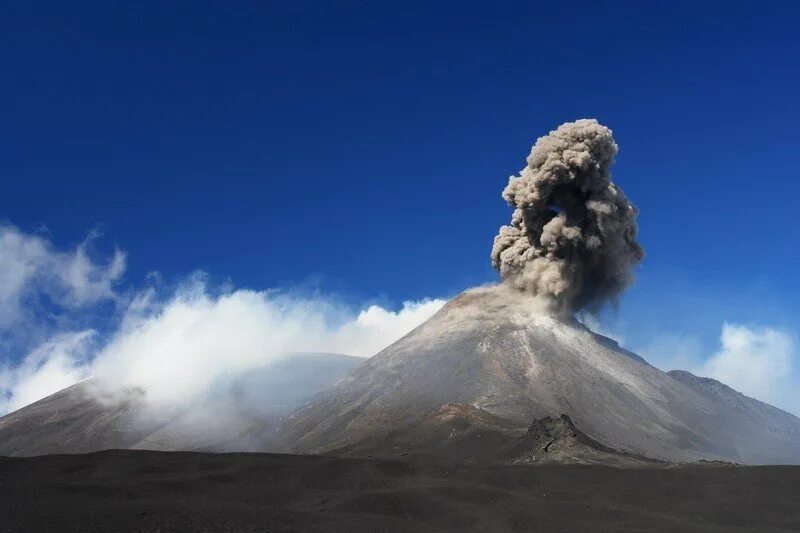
pixel 361 147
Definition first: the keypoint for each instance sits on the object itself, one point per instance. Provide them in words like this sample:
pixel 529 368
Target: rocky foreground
pixel 181 491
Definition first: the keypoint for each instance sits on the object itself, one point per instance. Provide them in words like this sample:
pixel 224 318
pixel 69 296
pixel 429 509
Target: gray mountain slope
pixel 493 351
pixel 776 423
pixel 72 420
pixel 83 418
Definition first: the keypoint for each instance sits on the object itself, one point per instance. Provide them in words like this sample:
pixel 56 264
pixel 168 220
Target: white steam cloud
pixel 572 239
pixel 178 350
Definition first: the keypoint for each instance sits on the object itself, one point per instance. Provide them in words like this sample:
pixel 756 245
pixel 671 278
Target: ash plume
pixel 572 239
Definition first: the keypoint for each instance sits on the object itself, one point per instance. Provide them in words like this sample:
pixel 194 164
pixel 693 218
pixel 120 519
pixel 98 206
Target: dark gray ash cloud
pixel 572 238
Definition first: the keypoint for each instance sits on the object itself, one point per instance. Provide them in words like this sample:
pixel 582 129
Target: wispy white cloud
pixel 21 258
pixel 30 267
pixel 85 281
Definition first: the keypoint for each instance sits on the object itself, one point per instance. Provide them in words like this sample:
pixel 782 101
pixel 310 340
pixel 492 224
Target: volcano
pixel 490 378
pixel 490 363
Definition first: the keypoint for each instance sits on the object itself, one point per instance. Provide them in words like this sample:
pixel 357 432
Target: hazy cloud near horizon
pixel 758 361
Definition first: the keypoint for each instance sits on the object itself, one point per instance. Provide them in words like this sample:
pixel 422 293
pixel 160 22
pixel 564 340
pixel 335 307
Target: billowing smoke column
pixel 572 238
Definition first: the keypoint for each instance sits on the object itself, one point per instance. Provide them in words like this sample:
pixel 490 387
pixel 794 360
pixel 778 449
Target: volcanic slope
pixel 86 417
pixel 492 350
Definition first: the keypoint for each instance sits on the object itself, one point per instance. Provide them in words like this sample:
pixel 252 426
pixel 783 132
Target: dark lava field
pixel 177 491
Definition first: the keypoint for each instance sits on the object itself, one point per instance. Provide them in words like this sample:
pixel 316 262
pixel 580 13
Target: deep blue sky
pixel 364 146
